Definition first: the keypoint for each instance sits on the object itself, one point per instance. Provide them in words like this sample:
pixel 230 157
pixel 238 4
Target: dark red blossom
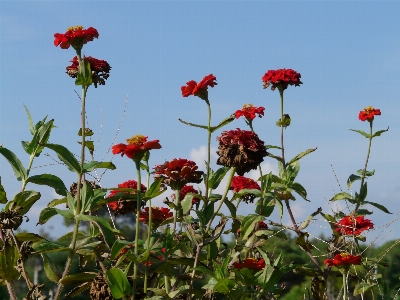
pixel 178 172
pixel 281 79
pixel 136 147
pixel 353 225
pixel 124 206
pixel 199 89
pixel 189 189
pixel 250 263
pixel 75 36
pixel 100 69
pixel 250 112
pixel 241 149
pixel 158 215
pixel 368 114
pixel 240 183
pixel 343 259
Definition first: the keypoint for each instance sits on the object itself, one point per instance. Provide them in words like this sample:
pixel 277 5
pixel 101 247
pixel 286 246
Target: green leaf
pixel 15 163
pixel 299 189
pixel 268 206
pixel 46 246
pixel 248 224
pixel 48 212
pixel 56 202
pixel 352 178
pixel 216 177
pixel 50 180
pixel 27 236
pixel 300 155
pixel 102 223
pixel 377 205
pixel 308 220
pixel 40 138
pixel 84 76
pixel 224 286
pixel 26 199
pixel 208 212
pixel 231 207
pixel 3 196
pixel 192 124
pixel 78 290
pixel 154 190
pixel 362 287
pixel 271 146
pixel 379 132
pixel 342 196
pixel 86 197
pixel 79 277
pixel 292 170
pixel 331 221
pixel 278 158
pixel 89 145
pixel 66 157
pixel 88 132
pixel 118 246
pixel 224 122
pixel 30 121
pixel 367 135
pixel 363 192
pixel 52 273
pixel 216 233
pixel 367 173
pixel 8 261
pixel 118 283
pixel 186 203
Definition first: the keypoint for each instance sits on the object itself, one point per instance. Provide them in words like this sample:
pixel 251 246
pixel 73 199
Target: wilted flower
pixel 158 215
pixel 178 172
pixel 240 183
pixel 99 289
pixel 250 112
pixel 199 89
pixel 241 149
pixel 250 263
pixel 343 259
pixel 136 148
pixel 281 78
pixel 124 206
pixel 368 113
pixel 353 225
pixel 100 69
pixel 10 219
pixel 75 36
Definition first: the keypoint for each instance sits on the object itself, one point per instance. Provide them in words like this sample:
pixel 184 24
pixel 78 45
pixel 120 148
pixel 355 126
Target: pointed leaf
pixel 40 138
pixel 222 123
pixel 50 180
pixel 102 223
pixel 192 124
pixel 154 190
pixel 118 283
pixel 30 121
pixel 90 166
pixel 216 177
pixel 52 272
pixel 8 261
pixel 89 145
pixel 367 173
pixel 377 205
pixel 367 135
pixel 342 196
pixel 3 196
pixel 363 192
pixel 352 178
pixel 79 277
pixel 231 207
pixel 379 132
pixel 308 220
pixel 66 157
pixel 15 163
pixel 46 246
pixel 26 199
pixel 27 236
pixel 302 154
pixel 79 289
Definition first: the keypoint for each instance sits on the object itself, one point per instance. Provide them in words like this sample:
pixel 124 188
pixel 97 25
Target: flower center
pixel 247 106
pixel 345 254
pixel 75 28
pixel 137 140
pixel 368 109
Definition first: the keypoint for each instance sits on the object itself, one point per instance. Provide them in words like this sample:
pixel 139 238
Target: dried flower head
pixel 369 113
pixel 353 225
pixel 136 147
pixel 100 69
pixel 199 89
pixel 10 219
pixel 240 183
pixel 250 112
pixel 99 289
pixel 241 149
pixel 75 36
pixel 73 189
pixel 281 79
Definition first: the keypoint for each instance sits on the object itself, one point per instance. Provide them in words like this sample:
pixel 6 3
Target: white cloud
pixel 199 155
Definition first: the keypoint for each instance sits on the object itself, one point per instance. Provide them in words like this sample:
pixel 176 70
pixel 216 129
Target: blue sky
pixel 348 53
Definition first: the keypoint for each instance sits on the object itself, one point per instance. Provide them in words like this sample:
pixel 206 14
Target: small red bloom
pixel 353 225
pixel 250 263
pixel 137 146
pixel 240 183
pixel 75 37
pixel 100 69
pixel 189 189
pixel 250 112
pixel 368 113
pixel 178 172
pixel 199 89
pixel 281 78
pixel 124 206
pixel 343 259
pixel 159 214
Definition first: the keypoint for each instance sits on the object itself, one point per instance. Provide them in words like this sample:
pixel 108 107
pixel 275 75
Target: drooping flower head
pixel 121 207
pixel 136 147
pixel 250 112
pixel 250 263
pixel 343 260
pixel 158 215
pixel 75 36
pixel 188 189
pixel 368 113
pixel 241 149
pixel 281 79
pixel 240 183
pixel 178 172
pixel 100 69
pixel 353 225
pixel 199 89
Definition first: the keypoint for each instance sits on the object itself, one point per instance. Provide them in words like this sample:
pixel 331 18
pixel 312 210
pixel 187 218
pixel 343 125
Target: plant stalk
pixel 138 206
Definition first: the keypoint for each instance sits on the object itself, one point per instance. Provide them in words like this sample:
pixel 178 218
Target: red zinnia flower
pixel 137 146
pixel 178 172
pixel 240 183
pixel 250 263
pixel 343 259
pixel 100 69
pixel 189 189
pixel 249 112
pixel 159 214
pixel 281 78
pixel 368 114
pixel 353 225
pixel 199 89
pixel 75 37
pixel 124 206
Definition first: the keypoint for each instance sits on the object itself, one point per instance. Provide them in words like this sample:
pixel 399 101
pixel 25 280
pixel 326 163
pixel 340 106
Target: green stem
pixel 177 211
pixel 344 287
pixel 146 273
pixel 10 291
pixel 282 145
pixel 208 147
pixel 138 206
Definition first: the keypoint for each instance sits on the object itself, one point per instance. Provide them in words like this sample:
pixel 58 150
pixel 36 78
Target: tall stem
pixel 138 206
pixel 10 291
pixel 344 287
pixel 208 146
pixel 177 211
pixel 146 273
pixel 282 128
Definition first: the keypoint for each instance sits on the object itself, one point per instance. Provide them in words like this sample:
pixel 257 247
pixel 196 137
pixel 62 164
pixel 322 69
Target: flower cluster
pixel 368 114
pixel 199 89
pixel 158 215
pixel 240 183
pixel 136 147
pixel 100 69
pixel 178 172
pixel 124 206
pixel 241 149
pixel 343 259
pixel 250 112
pixel 250 263
pixel 75 37
pixel 281 79
pixel 353 225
